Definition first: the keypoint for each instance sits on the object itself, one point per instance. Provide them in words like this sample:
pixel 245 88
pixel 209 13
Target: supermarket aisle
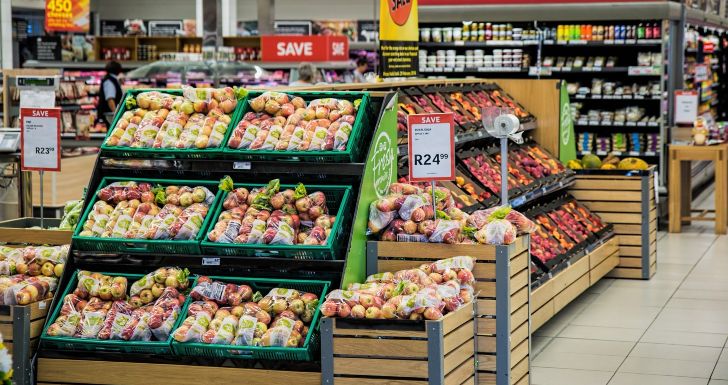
pixel 671 330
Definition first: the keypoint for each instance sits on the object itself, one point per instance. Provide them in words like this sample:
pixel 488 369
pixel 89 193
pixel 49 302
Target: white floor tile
pixel 575 345
pixel 651 379
pixel 684 338
pixel 721 371
pixel 555 376
pixel 601 333
pixel 664 367
pixel 676 352
pixel 577 361
pixel 718 382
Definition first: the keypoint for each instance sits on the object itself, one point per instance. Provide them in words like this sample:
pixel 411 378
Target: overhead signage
pixel 398 38
pixel 291 48
pixel 67 15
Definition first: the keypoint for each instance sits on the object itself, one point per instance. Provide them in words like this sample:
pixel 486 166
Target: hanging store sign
pixel 398 38
pixel 67 15
pixel 40 139
pixel 291 48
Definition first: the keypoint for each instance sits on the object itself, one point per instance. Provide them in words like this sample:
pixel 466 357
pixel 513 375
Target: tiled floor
pixel 671 330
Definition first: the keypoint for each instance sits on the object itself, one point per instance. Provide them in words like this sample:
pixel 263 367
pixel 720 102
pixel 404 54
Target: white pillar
pixel 198 17
pixel 229 17
pixel 6 33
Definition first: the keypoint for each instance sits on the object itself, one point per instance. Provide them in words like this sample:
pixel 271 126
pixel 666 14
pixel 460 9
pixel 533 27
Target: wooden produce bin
pixel 380 352
pixel 627 200
pixel 502 290
pixel 21 327
pixel 566 285
pixel 19 231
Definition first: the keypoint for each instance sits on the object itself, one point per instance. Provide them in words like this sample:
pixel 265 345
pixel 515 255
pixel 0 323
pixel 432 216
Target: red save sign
pixel 304 48
pixel 40 139
pixel 431 147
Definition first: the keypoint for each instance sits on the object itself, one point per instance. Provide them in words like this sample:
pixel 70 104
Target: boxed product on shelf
pixel 301 222
pixel 187 123
pixel 251 318
pixel 147 215
pixel 307 126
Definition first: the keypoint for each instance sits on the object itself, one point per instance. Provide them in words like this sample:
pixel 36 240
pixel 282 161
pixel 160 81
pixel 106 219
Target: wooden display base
pixel 549 298
pixel 628 202
pixel 503 293
pixel 355 351
pixel 21 327
pixel 53 371
pixel 19 231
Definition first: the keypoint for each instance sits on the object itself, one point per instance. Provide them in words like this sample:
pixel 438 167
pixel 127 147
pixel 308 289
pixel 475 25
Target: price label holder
pixel 40 143
pixel 431 147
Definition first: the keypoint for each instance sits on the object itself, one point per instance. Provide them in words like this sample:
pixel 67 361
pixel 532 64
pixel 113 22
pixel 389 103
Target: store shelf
pixel 473 70
pixel 615 97
pixel 479 44
pixel 528 197
pixel 586 123
pixel 363 45
pixel 330 65
pixel 603 43
pixel 96 65
pixel 646 154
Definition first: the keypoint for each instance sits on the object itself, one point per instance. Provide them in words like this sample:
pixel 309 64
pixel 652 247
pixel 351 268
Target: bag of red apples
pixel 428 292
pixel 407 214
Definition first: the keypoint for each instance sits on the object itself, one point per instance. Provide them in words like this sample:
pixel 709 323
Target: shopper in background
pixel 110 91
pixel 306 75
pixel 361 68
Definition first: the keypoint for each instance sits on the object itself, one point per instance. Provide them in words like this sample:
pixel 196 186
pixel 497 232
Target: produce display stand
pixel 580 273
pixel 20 231
pixel 367 176
pixel 627 200
pixel 21 327
pixel 502 291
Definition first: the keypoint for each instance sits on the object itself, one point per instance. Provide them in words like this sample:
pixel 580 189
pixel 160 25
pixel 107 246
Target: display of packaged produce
pixel 198 118
pixel 610 162
pixel 282 122
pixel 427 292
pixel 47 261
pixel 143 210
pixel 23 289
pixel 231 314
pixel 101 309
pixel 407 214
pixel 71 215
pixel 273 216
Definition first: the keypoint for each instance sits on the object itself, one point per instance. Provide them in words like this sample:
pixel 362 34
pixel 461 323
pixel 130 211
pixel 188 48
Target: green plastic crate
pixel 147 246
pixel 354 147
pixel 306 353
pixel 167 153
pixel 338 199
pixel 83 344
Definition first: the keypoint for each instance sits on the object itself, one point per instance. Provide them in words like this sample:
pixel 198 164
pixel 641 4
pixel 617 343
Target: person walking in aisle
pixel 361 68
pixel 110 92
pixel 306 75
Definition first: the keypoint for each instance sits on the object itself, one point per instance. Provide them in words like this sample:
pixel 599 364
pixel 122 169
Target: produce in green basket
pixel 129 210
pixel 281 318
pixel 268 215
pixel 199 118
pixel 151 286
pixel 428 292
pixel 98 309
pixel 283 122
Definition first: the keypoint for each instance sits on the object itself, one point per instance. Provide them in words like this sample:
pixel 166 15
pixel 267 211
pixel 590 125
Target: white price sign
pixel 686 106
pixel 431 147
pixel 40 139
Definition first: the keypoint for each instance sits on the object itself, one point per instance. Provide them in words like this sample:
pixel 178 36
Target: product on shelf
pixel 407 214
pixel 610 162
pixel 71 215
pixel 282 122
pixel 428 292
pixel 269 215
pixel 134 210
pixel 47 261
pixel 199 118
pixel 231 314
pixel 23 289
pixel 151 286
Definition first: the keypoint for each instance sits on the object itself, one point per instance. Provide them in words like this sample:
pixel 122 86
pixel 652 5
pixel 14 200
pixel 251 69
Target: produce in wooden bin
pixel 23 289
pixel 47 261
pixel 197 119
pixel 99 308
pixel 132 210
pixel 280 318
pixel 284 122
pixel 428 292
pixel 406 214
pixel 269 215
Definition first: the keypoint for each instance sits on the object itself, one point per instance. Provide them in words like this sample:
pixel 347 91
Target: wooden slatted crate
pixel 21 327
pixel 502 287
pixel 379 352
pixel 627 200
pixel 20 231
pixel 566 285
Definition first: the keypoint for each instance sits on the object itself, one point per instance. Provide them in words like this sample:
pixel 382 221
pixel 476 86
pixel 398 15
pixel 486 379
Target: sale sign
pixel 295 48
pixel 431 147
pixel 67 15
pixel 40 139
